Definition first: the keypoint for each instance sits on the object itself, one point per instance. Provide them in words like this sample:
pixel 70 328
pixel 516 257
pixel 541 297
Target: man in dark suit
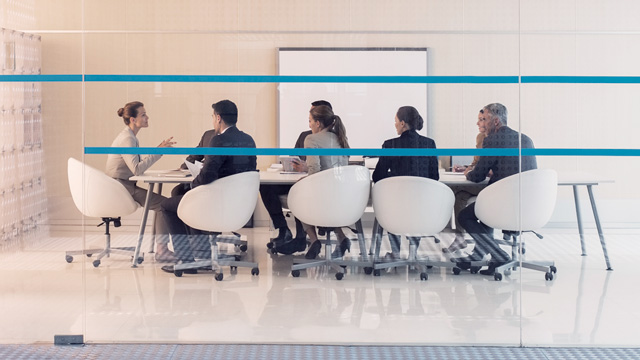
pixel 493 121
pixel 225 117
pixel 205 140
pixel 285 243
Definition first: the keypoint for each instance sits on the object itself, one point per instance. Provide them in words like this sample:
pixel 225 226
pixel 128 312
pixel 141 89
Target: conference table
pixel 573 179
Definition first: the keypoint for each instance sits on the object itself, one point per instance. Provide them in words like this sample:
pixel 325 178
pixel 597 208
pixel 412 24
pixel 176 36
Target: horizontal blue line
pixel 41 78
pixel 324 79
pixel 304 79
pixel 361 151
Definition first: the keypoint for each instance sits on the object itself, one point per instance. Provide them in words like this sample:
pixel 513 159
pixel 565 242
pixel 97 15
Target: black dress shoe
pixel 170 270
pixel 284 236
pixel 314 250
pixel 491 269
pixel 472 257
pixel 343 247
pixel 301 243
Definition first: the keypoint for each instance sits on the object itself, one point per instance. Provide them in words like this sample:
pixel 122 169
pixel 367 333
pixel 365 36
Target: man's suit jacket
pixel 205 140
pixel 502 166
pixel 219 166
pixel 424 166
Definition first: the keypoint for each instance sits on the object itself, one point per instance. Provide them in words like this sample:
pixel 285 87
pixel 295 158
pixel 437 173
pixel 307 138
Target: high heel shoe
pixel 314 250
pixel 343 247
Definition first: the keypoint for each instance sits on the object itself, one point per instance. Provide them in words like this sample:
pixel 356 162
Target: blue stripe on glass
pixel 41 78
pixel 581 79
pixel 362 152
pixel 305 79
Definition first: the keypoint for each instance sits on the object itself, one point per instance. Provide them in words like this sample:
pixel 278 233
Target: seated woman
pixel 407 123
pixel 327 131
pixel 123 166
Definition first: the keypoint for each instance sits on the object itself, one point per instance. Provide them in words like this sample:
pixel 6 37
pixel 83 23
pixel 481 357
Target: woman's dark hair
pixel 410 116
pixel 129 111
pixel 328 119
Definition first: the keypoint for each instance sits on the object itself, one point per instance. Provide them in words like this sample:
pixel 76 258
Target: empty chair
pixel 331 198
pixel 521 202
pixel 415 207
pixel 222 206
pixel 97 195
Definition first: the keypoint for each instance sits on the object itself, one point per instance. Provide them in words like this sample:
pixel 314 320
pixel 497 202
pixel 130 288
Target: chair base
pixel 219 260
pixel 107 250
pixel 548 267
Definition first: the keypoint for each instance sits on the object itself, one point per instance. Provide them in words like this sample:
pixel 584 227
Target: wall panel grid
pixel 23 204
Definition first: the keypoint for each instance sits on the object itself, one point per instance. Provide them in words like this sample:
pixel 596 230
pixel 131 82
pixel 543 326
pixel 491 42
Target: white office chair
pixel 519 203
pixel 224 205
pixel 331 198
pixel 97 195
pixel 411 206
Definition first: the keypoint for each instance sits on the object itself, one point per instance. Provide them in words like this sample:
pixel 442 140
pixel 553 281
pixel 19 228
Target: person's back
pixel 324 140
pixel 423 166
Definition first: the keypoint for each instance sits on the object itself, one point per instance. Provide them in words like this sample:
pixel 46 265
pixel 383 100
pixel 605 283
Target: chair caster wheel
pixel 233 268
pixel 339 276
pixel 295 273
pixel 237 257
pixel 553 269
pixel 243 248
pixel 140 260
pixel 474 269
pixel 177 273
pixel 219 277
pixel 89 255
pixel 255 271
pixel 376 272
pixel 548 276
pixel 424 276
pixel 69 258
pixel 96 263
pixel 456 271
pixel 368 270
pixel 497 277
pixel 269 245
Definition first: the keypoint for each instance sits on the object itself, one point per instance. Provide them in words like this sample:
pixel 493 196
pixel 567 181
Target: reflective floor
pixel 585 305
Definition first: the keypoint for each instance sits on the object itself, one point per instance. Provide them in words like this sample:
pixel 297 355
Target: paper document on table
pixel 194 168
pixel 175 173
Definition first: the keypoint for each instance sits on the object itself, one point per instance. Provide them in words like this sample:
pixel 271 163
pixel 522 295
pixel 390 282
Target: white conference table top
pixel 278 178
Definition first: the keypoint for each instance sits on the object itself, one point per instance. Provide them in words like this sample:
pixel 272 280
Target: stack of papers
pixel 194 168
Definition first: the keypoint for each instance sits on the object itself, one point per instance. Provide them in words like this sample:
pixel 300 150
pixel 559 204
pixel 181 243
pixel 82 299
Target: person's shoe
pixel 284 236
pixel 472 257
pixel 314 250
pixel 166 257
pixel 170 269
pixel 390 256
pixel 343 247
pixel 458 243
pixel 301 243
pixel 491 269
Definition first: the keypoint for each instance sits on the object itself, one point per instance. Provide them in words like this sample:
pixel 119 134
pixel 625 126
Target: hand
pixel 299 166
pixel 458 168
pixel 167 143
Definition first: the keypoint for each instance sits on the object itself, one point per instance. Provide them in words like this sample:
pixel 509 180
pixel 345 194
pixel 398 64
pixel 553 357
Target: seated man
pixel 225 117
pixel 493 122
pixel 270 194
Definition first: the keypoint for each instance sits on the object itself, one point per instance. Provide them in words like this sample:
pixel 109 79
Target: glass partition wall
pixel 564 70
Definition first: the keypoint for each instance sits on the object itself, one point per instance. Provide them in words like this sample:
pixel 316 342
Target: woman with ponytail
pixel 327 132
pixel 407 123
pixel 123 166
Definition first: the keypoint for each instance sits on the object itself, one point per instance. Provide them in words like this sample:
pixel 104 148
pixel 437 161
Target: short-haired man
pixel 493 122
pixel 285 243
pixel 225 117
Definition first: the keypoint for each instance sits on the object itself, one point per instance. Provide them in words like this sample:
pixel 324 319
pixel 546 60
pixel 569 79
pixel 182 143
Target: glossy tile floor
pixel 41 295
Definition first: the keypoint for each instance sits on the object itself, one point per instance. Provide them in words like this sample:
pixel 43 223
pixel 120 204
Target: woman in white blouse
pixel 123 166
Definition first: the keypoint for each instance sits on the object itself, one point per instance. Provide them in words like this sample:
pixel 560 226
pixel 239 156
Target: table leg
pixel 152 243
pixel 145 214
pixel 603 243
pixel 579 217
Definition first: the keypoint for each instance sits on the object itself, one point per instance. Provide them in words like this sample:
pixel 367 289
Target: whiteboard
pixel 367 110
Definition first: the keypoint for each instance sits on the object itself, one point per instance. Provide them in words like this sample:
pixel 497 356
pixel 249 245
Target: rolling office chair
pixel 519 203
pixel 331 198
pixel 224 205
pixel 97 195
pixel 411 206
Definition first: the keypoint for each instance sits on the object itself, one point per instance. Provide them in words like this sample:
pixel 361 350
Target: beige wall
pixel 464 37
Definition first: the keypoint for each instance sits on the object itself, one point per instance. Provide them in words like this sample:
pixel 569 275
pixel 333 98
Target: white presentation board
pixel 367 109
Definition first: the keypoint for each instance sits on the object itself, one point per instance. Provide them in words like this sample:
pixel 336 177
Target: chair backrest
pixel 331 198
pixel 96 194
pixel 498 205
pixel 412 205
pixel 223 205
